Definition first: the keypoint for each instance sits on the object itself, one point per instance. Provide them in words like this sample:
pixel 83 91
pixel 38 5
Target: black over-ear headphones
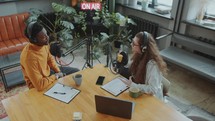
pixel 145 40
pixel 29 32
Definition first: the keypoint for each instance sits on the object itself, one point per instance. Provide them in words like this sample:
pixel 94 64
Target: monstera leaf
pixel 63 9
pixel 65 34
pixel 67 24
pixel 34 14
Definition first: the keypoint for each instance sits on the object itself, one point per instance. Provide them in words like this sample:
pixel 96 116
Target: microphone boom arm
pixel 75 47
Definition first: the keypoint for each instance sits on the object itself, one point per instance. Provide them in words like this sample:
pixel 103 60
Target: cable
pixel 62 61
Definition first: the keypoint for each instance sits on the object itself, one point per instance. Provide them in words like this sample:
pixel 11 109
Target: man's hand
pixel 59 75
pixel 128 82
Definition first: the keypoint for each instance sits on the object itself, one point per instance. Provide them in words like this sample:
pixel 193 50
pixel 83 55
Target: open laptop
pixel 114 107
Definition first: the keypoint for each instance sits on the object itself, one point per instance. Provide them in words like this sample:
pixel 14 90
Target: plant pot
pixel 117 44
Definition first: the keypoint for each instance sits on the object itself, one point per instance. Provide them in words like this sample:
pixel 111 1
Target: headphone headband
pixel 29 29
pixel 145 40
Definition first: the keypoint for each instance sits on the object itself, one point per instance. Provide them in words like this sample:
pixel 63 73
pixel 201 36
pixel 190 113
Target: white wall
pixel 9 8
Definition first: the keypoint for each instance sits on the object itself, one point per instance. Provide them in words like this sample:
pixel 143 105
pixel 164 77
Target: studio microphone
pixel 55 49
pixel 121 61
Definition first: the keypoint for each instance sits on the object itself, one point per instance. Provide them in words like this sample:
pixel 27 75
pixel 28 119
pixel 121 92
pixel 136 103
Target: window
pixel 165 2
pixel 210 8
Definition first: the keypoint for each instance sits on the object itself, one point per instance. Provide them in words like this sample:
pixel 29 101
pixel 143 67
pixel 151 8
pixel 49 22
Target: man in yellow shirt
pixel 37 61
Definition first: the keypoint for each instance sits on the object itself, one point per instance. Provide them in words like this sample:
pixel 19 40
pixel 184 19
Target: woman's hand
pixel 128 82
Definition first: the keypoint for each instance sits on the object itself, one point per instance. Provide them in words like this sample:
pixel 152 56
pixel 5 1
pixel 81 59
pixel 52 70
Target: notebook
pixel 115 86
pixel 114 107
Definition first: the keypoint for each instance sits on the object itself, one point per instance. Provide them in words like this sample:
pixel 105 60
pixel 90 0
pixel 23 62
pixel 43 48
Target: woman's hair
pixel 138 66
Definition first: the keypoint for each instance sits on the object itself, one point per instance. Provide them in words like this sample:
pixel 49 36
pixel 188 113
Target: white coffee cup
pixel 78 79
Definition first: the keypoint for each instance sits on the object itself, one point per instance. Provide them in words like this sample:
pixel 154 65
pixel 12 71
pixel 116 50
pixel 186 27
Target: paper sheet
pixel 62 92
pixel 116 86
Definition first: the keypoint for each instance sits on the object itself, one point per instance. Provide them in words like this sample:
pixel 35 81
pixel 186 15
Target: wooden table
pixel 34 106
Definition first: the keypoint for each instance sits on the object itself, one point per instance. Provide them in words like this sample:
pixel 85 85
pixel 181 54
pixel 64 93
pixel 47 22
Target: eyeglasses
pixel 133 44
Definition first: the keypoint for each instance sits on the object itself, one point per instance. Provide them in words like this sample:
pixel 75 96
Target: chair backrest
pixel 166 85
pixel 12 26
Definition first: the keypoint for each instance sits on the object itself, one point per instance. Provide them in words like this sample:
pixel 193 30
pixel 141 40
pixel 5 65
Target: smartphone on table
pixel 100 80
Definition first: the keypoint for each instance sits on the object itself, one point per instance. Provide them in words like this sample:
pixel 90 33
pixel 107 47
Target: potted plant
pixel 119 34
pixel 61 28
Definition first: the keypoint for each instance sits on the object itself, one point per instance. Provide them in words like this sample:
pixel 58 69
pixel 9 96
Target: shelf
pixel 202 25
pixel 148 11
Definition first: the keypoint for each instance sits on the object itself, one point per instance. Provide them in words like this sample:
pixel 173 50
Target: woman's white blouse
pixel 153 83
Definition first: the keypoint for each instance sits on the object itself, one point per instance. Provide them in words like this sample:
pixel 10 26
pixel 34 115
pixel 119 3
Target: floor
pixel 189 94
pixel 192 94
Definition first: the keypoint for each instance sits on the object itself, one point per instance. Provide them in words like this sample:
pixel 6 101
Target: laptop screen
pixel 113 106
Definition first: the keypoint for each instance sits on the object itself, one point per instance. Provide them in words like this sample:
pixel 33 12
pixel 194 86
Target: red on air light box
pixel 91 6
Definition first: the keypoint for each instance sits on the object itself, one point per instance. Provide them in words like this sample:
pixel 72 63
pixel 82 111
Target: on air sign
pixel 91 6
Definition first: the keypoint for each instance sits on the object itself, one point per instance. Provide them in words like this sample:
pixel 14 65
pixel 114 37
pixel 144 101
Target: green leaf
pixel 65 35
pixel 69 10
pixel 67 24
pixel 31 19
pixel 58 7
pixel 105 35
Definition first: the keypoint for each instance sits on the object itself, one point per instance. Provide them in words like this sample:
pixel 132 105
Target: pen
pixel 62 93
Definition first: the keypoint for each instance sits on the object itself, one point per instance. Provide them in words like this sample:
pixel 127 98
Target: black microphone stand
pixel 90 54
pixel 109 54
pixel 89 61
